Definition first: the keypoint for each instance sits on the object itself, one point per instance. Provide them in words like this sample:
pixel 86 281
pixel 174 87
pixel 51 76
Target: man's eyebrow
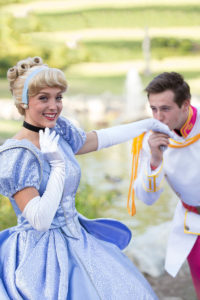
pixel 165 105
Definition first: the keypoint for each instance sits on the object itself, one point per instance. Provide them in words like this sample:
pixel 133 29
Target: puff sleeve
pixel 74 136
pixel 19 168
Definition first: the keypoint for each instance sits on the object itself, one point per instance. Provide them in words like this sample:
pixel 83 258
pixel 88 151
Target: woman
pixel 54 252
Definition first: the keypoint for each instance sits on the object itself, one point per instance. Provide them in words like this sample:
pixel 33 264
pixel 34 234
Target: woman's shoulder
pixel 65 127
pixel 21 166
pixel 73 135
pixel 19 153
pixel 12 146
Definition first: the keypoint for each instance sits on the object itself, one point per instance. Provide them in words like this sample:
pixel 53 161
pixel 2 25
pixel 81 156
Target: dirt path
pixel 169 288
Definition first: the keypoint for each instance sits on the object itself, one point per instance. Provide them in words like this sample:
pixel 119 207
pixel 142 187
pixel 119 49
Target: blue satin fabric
pixel 107 230
pixel 76 258
pixel 3 293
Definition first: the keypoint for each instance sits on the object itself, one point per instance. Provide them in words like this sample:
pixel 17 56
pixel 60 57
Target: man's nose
pixel 159 115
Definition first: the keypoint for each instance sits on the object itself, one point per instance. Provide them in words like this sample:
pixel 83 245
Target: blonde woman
pixel 55 253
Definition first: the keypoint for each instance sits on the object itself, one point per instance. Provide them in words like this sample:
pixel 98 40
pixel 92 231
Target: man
pixel 179 162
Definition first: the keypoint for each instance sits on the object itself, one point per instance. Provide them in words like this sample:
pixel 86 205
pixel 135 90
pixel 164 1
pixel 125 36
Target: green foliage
pixel 9 128
pixel 62 57
pixel 120 50
pixel 95 84
pixel 184 46
pixel 18 42
pixel 7 215
pixel 4 89
pixel 17 45
pixel 6 2
pixel 124 17
pixel 113 50
pixel 14 45
pixel 90 202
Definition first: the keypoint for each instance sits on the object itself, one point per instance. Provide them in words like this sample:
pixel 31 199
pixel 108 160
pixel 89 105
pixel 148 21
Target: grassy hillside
pixel 95 42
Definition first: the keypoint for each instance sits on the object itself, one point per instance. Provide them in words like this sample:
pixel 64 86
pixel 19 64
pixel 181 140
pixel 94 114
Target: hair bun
pixel 23 66
pixel 37 61
pixel 12 73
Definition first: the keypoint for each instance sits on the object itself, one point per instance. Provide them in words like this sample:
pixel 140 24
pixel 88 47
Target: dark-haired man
pixel 169 99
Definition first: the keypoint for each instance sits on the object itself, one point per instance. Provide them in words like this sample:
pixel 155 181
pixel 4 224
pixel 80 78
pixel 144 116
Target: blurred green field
pixel 160 16
pixel 9 128
pixel 102 31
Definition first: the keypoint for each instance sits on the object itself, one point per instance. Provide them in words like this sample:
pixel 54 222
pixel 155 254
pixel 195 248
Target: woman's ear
pixel 24 106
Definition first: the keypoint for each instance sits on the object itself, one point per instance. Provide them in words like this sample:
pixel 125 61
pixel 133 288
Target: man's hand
pixel 156 141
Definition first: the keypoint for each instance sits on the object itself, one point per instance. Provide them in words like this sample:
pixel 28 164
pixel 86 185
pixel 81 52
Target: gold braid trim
pixel 185 143
pixel 136 148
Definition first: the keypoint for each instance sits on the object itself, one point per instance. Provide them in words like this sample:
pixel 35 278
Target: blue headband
pixel 25 89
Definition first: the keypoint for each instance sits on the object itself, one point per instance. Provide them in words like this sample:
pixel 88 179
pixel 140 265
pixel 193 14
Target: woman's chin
pixel 50 124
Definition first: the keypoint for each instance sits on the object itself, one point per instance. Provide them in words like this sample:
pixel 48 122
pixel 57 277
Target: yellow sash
pixel 136 148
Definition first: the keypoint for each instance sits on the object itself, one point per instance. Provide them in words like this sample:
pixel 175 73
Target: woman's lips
pixel 50 117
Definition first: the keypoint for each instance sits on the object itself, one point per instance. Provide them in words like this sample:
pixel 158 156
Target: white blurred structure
pixel 8 110
pixel 135 101
pixel 96 110
pixel 146 48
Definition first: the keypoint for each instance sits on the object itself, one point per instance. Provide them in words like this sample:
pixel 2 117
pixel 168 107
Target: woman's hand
pixel 157 126
pixel 49 146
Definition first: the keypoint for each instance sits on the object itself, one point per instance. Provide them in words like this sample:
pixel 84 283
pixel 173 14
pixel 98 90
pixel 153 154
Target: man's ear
pixel 186 104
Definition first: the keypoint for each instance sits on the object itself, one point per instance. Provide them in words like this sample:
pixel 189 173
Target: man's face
pixel 167 111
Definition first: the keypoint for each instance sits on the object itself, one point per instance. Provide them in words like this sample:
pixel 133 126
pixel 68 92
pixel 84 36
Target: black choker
pixel 32 127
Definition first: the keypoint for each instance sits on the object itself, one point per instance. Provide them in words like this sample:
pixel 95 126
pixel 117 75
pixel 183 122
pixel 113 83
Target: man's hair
pixel 170 81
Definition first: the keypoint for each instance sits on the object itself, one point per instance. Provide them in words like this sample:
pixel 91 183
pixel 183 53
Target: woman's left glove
pixel 41 210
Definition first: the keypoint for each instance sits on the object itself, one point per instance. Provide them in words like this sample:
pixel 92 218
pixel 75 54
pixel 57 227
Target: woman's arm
pixel 91 143
pixel 24 196
pixel 40 210
pixel 103 138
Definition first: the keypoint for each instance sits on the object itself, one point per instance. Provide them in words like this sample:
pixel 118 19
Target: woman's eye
pixel 59 98
pixel 43 98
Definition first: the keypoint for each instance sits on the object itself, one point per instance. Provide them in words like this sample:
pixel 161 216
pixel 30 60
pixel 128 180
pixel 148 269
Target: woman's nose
pixel 52 104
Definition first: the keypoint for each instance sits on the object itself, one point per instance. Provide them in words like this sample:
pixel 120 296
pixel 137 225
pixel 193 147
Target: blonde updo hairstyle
pixel 49 77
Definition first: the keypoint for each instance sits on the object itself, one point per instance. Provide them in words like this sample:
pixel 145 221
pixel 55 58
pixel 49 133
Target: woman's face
pixel 44 108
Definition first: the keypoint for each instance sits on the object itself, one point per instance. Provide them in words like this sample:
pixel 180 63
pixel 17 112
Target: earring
pixel 25 106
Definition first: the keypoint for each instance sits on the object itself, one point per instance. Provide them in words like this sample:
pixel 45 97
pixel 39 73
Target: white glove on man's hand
pixel 40 211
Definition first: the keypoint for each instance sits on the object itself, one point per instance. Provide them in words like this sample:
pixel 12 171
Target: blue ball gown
pixel 77 258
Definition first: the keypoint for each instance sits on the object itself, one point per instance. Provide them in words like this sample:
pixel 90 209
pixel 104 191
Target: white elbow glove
pixel 122 133
pixel 40 211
